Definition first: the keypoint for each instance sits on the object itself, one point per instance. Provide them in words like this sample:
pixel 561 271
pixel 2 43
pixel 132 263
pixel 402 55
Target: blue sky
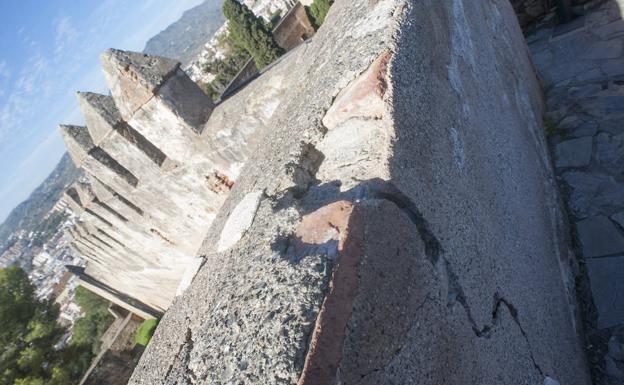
pixel 49 49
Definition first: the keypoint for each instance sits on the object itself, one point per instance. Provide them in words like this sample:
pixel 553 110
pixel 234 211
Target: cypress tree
pixel 251 33
pixel 318 10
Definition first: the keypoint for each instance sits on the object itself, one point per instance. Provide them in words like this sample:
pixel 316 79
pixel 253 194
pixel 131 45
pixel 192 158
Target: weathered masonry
pixel 394 217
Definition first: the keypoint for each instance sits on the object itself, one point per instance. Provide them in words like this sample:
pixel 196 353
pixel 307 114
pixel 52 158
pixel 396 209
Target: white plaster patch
pixel 189 273
pixel 239 220
pixel 462 46
pixel 375 20
pixel 458 148
pixel 355 150
pixel 550 381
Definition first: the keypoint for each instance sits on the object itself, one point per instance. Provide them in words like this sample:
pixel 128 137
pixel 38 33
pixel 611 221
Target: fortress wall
pixel 144 213
pixel 396 222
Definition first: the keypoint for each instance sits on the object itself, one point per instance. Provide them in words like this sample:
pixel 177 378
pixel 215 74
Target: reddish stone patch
pixel 325 351
pixel 219 183
pixel 363 97
pixel 325 224
pixel 162 236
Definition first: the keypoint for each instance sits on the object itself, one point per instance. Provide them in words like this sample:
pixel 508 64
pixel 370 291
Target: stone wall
pixel 532 11
pixel 397 220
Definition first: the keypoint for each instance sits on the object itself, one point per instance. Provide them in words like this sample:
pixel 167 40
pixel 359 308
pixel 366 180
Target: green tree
pixel 17 306
pixel 60 376
pixel 29 381
pixel 251 33
pixel 30 331
pixel 30 360
pixel 317 11
pixel 89 329
pixel 90 302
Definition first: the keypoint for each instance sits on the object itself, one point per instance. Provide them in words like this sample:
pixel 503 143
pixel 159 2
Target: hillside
pixel 184 39
pixel 28 214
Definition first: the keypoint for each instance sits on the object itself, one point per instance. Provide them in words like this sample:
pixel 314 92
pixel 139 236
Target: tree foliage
pixel 317 11
pixel 226 68
pixel 251 33
pixel 89 329
pixel 30 335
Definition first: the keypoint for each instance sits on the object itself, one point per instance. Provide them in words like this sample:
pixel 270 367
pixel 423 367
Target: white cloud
pixel 31 82
pixel 4 70
pixel 65 33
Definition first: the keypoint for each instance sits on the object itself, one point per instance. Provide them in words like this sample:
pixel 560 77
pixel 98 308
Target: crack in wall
pixel 400 348
pixel 187 347
pixel 514 315
pixel 485 331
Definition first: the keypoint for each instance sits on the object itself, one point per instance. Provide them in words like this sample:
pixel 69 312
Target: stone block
pixel 610 153
pixel 574 152
pixel 599 237
pixel 607 286
pixel 619 218
pixel 608 49
pixel 592 193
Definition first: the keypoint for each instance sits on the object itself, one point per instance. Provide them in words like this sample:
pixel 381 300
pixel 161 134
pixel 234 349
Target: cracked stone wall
pixel 397 220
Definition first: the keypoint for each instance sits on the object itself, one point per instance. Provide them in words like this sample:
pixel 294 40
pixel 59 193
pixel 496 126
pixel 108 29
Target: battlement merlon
pixel 151 88
pixel 78 142
pixel 100 114
pixel 126 145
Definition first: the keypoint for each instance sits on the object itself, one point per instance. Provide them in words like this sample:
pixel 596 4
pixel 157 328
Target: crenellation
pixel 158 170
pixel 134 77
pixel 123 143
pixel 73 201
pixel 77 141
pixel 100 114
pixel 109 209
pixel 112 165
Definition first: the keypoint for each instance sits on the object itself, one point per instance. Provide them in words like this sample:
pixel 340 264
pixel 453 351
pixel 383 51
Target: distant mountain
pixel 184 39
pixel 28 214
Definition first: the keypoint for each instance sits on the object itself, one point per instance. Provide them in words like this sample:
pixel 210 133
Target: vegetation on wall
pixel 31 347
pixel 145 332
pixel 317 11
